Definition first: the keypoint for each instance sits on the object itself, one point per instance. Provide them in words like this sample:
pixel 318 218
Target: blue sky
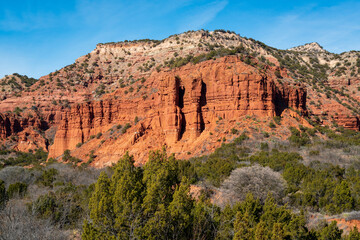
pixel 40 36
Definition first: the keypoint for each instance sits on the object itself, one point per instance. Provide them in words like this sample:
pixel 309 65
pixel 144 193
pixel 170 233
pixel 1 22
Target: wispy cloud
pixel 202 15
pixel 39 36
pixel 330 26
pixel 33 30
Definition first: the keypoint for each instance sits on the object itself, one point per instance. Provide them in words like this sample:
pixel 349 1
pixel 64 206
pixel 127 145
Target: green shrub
pixel 272 125
pixel 277 120
pixel 26 158
pixel 48 177
pixel 65 208
pixel 277 73
pixel 66 155
pixel 17 110
pixel 125 128
pixel 264 146
pixel 266 134
pixel 3 194
pixel 298 138
pixel 17 189
pixel 241 138
pixel 314 153
pixel 45 206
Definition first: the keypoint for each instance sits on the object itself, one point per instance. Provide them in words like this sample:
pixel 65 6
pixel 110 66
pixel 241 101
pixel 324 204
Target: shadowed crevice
pixel 202 104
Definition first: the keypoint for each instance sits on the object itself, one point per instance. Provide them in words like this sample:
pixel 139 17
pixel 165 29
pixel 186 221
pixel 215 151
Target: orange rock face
pixel 26 130
pixel 10 124
pixel 350 122
pixel 346 225
pixel 182 110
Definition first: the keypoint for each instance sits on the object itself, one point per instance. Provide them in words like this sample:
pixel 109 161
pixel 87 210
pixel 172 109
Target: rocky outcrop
pixel 196 96
pixel 313 47
pixel 184 104
pixel 12 124
pixel 347 121
pixel 25 130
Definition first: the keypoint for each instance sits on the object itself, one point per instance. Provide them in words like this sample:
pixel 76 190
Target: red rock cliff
pixel 185 103
pixel 25 129
pixel 13 124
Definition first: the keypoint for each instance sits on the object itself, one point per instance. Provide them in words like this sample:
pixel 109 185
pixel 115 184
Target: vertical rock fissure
pixel 7 127
pixel 281 103
pixel 182 120
pixel 181 97
pixel 202 104
pixel 17 126
pixel 81 125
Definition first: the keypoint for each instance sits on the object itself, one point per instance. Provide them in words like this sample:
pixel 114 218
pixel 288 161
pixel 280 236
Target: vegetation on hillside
pixel 244 193
pixel 18 82
pixel 154 203
pixel 260 190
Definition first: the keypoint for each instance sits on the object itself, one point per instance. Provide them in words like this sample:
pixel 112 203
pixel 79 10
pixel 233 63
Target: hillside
pixel 202 135
pixel 189 92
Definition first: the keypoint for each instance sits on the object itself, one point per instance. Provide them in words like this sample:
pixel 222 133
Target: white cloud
pixel 333 27
pixel 202 15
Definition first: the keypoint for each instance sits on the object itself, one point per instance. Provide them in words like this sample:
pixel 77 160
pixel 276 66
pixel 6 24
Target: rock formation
pixel 187 102
pixel 12 124
pixel 179 99
pixel 25 130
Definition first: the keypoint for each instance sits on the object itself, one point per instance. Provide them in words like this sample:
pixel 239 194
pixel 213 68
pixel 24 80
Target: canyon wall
pixel 185 102
pixel 12 124
pixel 25 131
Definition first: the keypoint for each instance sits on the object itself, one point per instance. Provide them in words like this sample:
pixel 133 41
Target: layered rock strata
pixel 185 102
